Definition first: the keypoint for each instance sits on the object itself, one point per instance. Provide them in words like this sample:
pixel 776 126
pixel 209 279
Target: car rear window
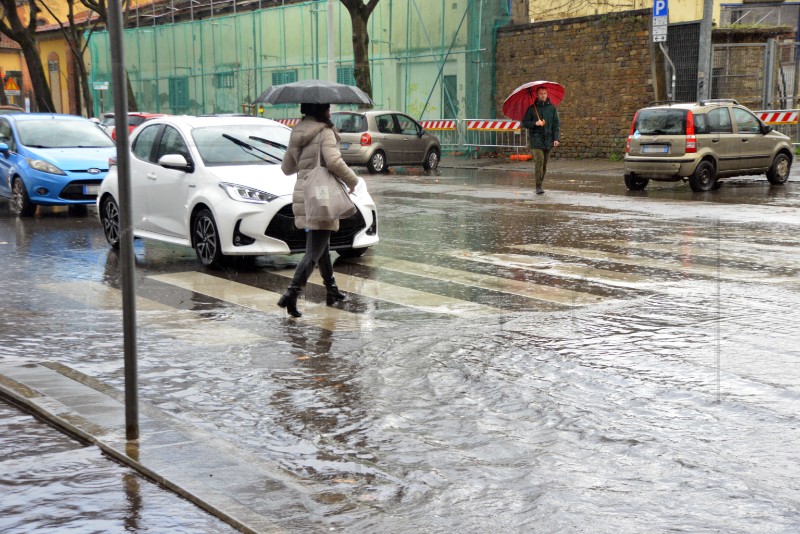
pixel 349 122
pixel 135 120
pixel 661 122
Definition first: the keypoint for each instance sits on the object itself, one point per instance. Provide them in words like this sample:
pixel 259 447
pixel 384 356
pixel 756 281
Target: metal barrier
pixel 784 121
pixel 447 131
pixel 469 133
pixel 495 134
pixel 291 123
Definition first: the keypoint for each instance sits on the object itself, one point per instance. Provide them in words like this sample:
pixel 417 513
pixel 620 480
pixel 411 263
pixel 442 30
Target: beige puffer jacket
pixel 301 157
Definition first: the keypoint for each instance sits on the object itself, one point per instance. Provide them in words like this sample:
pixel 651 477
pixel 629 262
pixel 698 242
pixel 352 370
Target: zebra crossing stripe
pixel 404 296
pixel 546 265
pixel 325 317
pixel 654 263
pixel 180 324
pixel 708 250
pixel 564 297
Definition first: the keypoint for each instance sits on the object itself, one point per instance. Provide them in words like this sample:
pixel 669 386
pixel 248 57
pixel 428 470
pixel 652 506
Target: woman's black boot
pixel 333 293
pixel 289 301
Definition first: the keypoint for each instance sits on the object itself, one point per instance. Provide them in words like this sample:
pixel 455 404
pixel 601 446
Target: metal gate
pixel 758 75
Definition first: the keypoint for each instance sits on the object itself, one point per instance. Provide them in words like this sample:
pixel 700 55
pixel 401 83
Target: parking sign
pixel 660 8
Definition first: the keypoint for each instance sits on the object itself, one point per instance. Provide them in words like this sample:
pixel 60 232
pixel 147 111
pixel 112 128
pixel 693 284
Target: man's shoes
pixel 539 190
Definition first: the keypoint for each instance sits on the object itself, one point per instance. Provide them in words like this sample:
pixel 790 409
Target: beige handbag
pixel 325 196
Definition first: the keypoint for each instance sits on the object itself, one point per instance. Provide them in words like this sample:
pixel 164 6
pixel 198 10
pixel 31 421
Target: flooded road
pixel 586 360
pixel 53 483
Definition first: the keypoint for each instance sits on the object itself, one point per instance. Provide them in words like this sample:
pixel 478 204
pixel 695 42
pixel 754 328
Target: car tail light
pixel 630 135
pixel 366 139
pixel 112 162
pixel 691 140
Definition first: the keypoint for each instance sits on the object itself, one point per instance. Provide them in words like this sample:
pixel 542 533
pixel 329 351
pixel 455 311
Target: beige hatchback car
pixel 378 139
pixel 701 142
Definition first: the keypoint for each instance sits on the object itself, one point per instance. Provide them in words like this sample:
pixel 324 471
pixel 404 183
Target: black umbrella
pixel 314 92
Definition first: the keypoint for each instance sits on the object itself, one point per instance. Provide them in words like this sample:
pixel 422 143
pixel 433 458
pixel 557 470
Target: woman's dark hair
pixel 318 111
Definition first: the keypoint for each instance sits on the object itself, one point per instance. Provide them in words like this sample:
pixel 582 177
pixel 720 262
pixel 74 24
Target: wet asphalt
pixel 590 359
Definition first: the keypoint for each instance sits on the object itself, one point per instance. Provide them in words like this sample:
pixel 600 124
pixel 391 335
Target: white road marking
pixel 180 324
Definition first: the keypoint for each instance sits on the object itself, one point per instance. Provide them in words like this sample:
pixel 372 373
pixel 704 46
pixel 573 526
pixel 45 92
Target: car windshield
pixel 241 144
pixel 661 121
pixel 349 122
pixel 55 133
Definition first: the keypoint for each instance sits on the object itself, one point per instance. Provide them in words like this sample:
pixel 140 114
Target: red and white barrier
pixel 291 123
pixel 778 116
pixel 494 126
pixel 439 125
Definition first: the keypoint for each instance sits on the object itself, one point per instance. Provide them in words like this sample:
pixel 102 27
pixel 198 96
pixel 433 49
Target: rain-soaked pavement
pixel 589 360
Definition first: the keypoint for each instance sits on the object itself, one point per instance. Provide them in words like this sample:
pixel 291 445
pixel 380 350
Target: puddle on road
pixel 52 483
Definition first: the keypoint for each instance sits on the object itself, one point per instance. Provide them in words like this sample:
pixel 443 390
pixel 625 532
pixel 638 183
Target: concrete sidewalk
pixel 244 491
pixel 598 167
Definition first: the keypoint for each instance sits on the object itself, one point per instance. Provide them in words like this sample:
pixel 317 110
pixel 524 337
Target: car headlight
pixel 44 166
pixel 247 194
pixel 361 188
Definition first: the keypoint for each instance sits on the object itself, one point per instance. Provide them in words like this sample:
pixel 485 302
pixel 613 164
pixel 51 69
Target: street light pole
pixel 705 52
pixel 125 219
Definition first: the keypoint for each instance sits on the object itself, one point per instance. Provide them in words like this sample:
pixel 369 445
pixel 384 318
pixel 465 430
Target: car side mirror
pixel 766 128
pixel 421 132
pixel 4 149
pixel 175 162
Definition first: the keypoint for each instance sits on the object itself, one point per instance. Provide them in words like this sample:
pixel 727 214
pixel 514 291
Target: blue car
pixel 51 160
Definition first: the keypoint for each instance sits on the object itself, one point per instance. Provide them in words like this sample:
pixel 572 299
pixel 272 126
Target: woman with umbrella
pixel 538 100
pixel 314 137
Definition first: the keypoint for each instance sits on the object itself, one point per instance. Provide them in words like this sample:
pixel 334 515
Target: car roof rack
pixel 661 102
pixel 718 101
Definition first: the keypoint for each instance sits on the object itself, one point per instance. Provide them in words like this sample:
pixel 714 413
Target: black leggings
pixel 318 252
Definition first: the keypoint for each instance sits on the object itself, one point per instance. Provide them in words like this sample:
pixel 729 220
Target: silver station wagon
pixel 378 139
pixel 701 142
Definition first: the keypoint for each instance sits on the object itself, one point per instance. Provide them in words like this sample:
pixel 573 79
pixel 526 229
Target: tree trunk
pixel 3 97
pixel 131 97
pixel 361 69
pixel 41 88
pixel 359 16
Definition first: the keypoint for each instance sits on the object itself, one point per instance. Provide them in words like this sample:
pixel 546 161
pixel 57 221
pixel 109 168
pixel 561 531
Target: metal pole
pixel 331 51
pixel 704 52
pixel 125 223
pixel 671 95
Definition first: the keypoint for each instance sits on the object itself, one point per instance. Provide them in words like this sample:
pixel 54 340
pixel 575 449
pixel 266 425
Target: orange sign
pixel 11 85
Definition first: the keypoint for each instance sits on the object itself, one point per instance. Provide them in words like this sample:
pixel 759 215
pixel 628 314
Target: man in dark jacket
pixel 541 120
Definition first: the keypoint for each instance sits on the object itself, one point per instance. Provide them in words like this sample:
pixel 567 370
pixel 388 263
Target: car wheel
pixel 352 252
pixel 703 177
pixel 431 160
pixel 778 173
pixel 377 163
pixel 21 204
pixel 636 183
pixel 109 218
pixel 206 239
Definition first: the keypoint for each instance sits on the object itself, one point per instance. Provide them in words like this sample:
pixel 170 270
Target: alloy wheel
pixel 205 235
pixel 110 220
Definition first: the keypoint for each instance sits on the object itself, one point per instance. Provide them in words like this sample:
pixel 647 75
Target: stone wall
pixel 603 61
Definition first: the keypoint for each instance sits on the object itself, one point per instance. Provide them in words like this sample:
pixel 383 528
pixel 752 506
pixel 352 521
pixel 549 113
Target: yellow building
pixel 55 54
pixel 679 10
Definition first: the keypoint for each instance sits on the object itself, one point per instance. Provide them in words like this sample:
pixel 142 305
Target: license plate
pixel 345 146
pixel 655 149
pixel 91 189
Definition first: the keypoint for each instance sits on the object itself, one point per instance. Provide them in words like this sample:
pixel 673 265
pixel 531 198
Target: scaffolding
pixel 432 59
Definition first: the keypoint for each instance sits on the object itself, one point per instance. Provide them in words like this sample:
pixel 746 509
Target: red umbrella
pixel 523 96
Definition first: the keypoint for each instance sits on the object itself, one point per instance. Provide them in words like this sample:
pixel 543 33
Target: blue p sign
pixel 660 8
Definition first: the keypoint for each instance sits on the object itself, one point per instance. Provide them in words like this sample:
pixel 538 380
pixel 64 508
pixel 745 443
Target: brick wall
pixel 602 61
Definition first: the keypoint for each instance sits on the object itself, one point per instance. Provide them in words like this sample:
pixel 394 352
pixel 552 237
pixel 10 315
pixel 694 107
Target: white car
pixel 215 184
